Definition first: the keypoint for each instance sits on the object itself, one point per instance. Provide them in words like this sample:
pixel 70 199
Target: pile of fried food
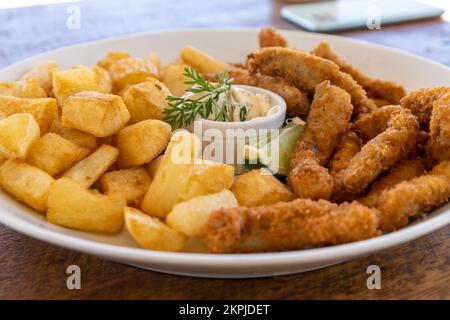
pixel 88 147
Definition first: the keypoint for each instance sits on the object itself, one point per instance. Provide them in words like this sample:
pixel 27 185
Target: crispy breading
pixel 370 125
pixel 308 179
pixel 420 102
pixel 269 37
pixel 349 146
pixel 298 224
pixel 375 88
pixel 403 171
pixel 297 102
pixel 410 199
pixel 328 120
pixel 380 102
pixel 438 147
pixel 305 71
pixel 380 153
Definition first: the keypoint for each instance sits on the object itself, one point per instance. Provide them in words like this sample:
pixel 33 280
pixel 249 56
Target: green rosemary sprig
pixel 182 111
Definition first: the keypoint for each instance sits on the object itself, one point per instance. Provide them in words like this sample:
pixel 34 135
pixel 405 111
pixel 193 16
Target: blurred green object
pixel 259 155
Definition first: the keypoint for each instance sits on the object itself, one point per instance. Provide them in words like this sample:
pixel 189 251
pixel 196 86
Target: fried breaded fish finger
pixel 375 88
pixel 298 224
pixel 438 147
pixel 349 146
pixel 327 122
pixel 420 102
pixel 269 37
pixel 380 153
pixel 308 179
pixel 403 171
pixel 305 71
pixel 297 102
pixel 372 124
pixel 410 199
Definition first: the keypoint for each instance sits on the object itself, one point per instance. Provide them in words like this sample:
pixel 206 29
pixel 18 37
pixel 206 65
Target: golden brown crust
pixel 378 89
pixel 420 102
pixel 308 179
pixel 410 199
pixel 370 125
pixel 298 224
pixel 379 154
pixel 403 171
pixel 328 120
pixel 349 146
pixel 269 37
pixel 438 147
pixel 305 71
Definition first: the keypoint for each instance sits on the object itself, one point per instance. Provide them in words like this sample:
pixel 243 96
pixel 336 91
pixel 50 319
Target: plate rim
pixel 269 259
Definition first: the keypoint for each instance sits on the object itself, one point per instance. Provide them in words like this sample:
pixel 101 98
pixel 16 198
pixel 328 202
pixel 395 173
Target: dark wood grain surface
pixel 31 269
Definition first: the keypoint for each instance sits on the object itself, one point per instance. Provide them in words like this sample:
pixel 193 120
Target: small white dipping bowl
pixel 210 131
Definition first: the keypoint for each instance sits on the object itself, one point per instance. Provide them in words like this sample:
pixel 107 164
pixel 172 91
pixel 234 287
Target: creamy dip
pixel 257 105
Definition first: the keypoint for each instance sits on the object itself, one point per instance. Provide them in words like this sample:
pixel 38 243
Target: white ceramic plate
pixel 230 45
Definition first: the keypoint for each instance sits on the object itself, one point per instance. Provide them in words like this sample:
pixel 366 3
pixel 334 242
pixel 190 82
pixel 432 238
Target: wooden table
pixel 33 269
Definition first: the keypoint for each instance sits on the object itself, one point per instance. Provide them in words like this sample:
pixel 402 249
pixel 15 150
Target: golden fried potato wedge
pixel 2 159
pixel 28 88
pixel 155 59
pixel 140 143
pixel 26 183
pixel 44 111
pixel 80 138
pixel 153 166
pixel 71 81
pixel 192 180
pixel 146 100
pixel 189 217
pixel 13 88
pixel 112 57
pixel 132 184
pixel 259 187
pixel 42 72
pixel 54 154
pixel 105 79
pixel 17 133
pixel 88 170
pixel 207 177
pixel 71 205
pixel 201 61
pixel 172 75
pixel 151 233
pixel 96 113
pixel 128 71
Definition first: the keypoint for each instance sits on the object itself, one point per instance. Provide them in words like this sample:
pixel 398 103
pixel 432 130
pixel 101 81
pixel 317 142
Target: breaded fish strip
pixel 328 120
pixel 308 179
pixel 410 199
pixel 296 101
pixel 349 146
pixel 305 71
pixel 370 125
pixel 269 37
pixel 438 148
pixel 380 153
pixel 298 224
pixel 420 102
pixel 379 89
pixel 403 171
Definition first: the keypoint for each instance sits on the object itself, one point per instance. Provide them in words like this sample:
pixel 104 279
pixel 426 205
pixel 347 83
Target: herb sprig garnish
pixel 183 111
